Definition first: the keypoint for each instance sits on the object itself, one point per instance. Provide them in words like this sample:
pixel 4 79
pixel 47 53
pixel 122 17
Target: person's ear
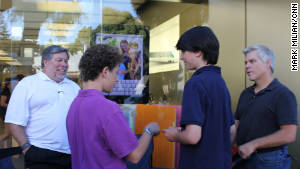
pixel 268 63
pixel 45 62
pixel 199 54
pixel 104 72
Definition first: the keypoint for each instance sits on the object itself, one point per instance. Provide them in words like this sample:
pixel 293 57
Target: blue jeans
pixel 273 160
pixel 6 163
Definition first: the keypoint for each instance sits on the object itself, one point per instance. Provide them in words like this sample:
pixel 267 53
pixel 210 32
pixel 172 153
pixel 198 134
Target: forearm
pixel 18 132
pixel 281 137
pixel 232 134
pixel 233 130
pixel 180 137
pixel 188 137
pixel 138 153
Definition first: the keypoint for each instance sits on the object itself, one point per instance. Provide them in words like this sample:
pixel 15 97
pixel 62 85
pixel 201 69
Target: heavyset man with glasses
pixel 37 112
pixel 266 116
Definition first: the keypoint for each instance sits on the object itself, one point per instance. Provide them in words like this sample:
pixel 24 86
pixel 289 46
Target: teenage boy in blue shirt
pixel 207 119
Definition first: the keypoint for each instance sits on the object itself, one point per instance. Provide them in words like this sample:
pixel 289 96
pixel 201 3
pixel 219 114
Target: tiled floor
pixel 18 160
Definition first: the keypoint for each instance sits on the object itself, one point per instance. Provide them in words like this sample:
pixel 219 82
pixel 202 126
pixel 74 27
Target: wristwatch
pixel 26 145
pixel 149 131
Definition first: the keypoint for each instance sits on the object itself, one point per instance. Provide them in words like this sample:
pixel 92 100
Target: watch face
pixel 149 131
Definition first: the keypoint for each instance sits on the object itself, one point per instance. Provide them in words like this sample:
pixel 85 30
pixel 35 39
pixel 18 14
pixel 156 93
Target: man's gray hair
pixel 47 53
pixel 264 53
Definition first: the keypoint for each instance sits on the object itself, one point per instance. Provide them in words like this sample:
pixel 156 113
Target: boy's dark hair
pixel 200 38
pixel 96 58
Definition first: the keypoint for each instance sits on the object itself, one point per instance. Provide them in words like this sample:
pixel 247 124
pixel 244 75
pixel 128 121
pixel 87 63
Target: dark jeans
pixel 6 163
pixel 273 160
pixel 39 158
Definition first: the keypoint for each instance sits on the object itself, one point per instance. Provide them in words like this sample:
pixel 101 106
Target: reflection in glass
pixel 28 26
pixel 163 38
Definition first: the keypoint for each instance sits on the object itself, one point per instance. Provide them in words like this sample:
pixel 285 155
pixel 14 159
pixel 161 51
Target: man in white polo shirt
pixel 37 112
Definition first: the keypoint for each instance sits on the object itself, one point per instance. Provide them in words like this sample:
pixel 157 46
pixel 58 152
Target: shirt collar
pixel 208 68
pixel 90 92
pixel 275 83
pixel 45 77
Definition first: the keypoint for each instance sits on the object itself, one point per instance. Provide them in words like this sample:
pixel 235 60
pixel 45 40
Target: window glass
pixel 28 26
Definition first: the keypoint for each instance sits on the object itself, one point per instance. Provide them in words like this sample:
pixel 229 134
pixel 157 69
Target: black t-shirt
pixel 261 114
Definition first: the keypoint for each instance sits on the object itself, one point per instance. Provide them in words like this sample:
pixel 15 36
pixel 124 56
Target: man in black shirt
pixel 266 115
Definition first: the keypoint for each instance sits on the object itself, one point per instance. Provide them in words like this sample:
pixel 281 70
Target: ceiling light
pixel 6 58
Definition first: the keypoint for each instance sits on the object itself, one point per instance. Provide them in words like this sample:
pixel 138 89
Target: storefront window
pixel 28 26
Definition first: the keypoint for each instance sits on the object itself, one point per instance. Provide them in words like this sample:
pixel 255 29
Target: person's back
pixel 215 144
pixel 89 142
pixel 98 132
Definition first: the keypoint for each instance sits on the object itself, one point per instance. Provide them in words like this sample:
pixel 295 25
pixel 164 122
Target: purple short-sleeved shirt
pixel 98 132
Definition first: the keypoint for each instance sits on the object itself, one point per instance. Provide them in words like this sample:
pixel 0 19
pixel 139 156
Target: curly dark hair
pixel 96 58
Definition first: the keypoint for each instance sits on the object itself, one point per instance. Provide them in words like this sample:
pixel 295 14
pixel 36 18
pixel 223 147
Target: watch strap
pixel 26 145
pixel 149 131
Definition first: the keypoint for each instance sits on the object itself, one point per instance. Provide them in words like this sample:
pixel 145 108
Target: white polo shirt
pixel 41 105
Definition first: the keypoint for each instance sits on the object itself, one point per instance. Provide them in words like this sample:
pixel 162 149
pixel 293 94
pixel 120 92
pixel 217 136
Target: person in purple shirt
pixel 98 133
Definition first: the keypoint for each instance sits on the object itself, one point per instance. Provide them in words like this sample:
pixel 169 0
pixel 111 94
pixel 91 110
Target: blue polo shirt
pixel 206 102
pixel 261 114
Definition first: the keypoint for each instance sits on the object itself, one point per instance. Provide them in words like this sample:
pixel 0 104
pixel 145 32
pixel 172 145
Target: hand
pixel 171 133
pixel 246 150
pixel 154 127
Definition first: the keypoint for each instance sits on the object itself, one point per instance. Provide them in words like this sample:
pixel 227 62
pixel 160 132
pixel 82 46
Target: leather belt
pixel 265 150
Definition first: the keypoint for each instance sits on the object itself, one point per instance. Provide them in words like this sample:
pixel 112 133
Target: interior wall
pixel 268 23
pixel 227 19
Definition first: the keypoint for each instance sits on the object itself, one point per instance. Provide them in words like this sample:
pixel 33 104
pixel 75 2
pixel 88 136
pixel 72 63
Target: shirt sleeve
pixel 193 103
pixel 18 106
pixel 118 135
pixel 286 108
